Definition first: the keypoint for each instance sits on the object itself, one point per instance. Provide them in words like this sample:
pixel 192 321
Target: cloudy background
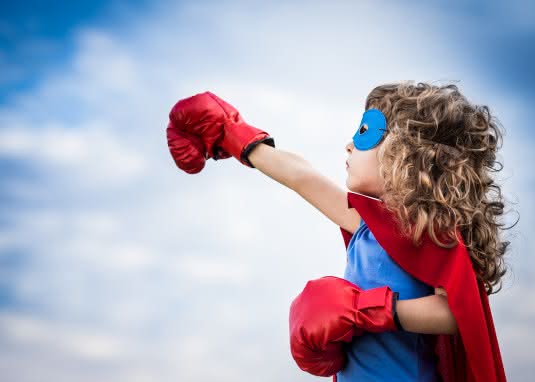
pixel 116 266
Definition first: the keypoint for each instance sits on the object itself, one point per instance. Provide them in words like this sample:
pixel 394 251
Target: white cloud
pixel 89 154
pixel 73 342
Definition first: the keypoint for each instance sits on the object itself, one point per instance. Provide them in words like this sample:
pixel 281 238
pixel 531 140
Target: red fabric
pixel 473 353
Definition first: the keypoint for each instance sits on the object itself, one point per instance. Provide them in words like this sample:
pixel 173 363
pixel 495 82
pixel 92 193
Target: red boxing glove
pixel 329 312
pixel 204 126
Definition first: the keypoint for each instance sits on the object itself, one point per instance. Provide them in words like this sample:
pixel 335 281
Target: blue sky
pixel 36 36
pixel 110 257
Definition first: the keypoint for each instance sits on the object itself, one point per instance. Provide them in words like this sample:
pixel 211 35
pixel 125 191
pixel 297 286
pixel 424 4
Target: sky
pixel 117 266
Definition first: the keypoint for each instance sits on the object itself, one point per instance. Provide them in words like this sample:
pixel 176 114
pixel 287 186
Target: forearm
pixel 430 314
pixel 283 166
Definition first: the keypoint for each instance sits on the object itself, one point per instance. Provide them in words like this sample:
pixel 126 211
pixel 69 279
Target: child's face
pixel 363 171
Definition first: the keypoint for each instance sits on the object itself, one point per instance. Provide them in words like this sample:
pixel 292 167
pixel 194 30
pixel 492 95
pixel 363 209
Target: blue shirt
pixel 387 356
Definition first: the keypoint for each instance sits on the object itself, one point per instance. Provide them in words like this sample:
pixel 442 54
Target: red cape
pixel 473 353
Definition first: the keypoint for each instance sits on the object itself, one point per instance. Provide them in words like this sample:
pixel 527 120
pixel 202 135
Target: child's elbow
pixel 451 327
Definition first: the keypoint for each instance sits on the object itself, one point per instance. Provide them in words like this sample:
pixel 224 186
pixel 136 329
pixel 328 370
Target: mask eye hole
pixel 363 129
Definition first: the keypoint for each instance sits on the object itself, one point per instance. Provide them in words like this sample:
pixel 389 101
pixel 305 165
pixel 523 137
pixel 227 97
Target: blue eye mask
pixel 371 130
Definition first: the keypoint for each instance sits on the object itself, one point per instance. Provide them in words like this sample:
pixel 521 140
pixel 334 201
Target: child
pixel 413 302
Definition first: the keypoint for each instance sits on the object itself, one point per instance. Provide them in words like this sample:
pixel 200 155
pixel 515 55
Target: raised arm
pixel 205 126
pixel 296 173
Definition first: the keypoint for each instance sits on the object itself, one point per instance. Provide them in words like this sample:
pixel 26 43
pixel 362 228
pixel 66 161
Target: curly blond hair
pixel 436 162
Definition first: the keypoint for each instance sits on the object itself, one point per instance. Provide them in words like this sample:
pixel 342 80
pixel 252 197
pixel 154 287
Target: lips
pixel 347 164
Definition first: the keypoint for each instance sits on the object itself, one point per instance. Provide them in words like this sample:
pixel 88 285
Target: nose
pixel 349 147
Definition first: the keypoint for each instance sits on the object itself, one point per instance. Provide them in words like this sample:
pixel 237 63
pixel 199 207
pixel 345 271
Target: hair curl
pixel 436 161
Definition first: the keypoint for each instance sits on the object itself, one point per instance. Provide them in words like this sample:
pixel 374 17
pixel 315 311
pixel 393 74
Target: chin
pixel 359 188
pixel 352 186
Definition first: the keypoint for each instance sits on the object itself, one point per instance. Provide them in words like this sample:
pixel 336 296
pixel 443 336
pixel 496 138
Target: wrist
pixel 395 299
pixel 248 151
pixel 240 138
pixel 376 310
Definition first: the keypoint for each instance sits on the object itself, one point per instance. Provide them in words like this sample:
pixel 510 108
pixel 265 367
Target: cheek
pixel 360 164
pixel 361 172
pixel 352 174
